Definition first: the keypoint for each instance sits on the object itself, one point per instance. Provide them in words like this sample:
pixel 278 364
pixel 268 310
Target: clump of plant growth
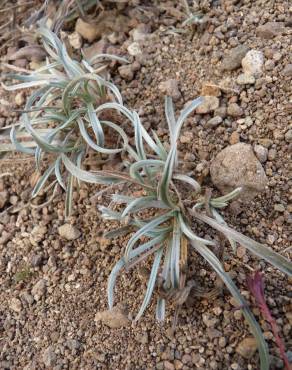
pixel 162 222
pixel 63 114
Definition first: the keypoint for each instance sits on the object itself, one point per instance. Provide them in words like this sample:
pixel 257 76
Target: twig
pixel 15 68
pixel 16 6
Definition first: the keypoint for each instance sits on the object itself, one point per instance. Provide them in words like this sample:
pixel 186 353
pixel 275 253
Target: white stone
pixel 252 63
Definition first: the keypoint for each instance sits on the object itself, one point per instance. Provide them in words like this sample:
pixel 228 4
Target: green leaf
pixel 170 118
pixel 69 196
pixel 163 187
pixel 185 112
pixel 137 204
pixel 151 283
pixel 189 233
pixel 187 179
pixel 98 177
pixel 96 125
pixel 149 226
pixel 122 262
pixel 258 249
pixel 160 309
pixel 58 173
pixel 19 147
pixel 254 326
pixel 42 180
pixel 175 255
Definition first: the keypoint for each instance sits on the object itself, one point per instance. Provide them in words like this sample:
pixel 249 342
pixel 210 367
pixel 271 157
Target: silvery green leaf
pixel 163 155
pixel 145 229
pixel 185 112
pixel 95 124
pixel 112 281
pixel 160 309
pixel 163 187
pixel 138 137
pixel 122 199
pixel 58 173
pixel 151 283
pixel 98 177
pixel 91 143
pixel 119 107
pixel 254 326
pixel 170 118
pixel 109 214
pixel 122 262
pixel 121 231
pixel 137 166
pixel 137 204
pixel 69 196
pixel 19 147
pixel 42 180
pixel 225 198
pixel 166 267
pixel 175 255
pixel 220 219
pixel 187 179
pixel 258 249
pixel 190 234
pixel 45 145
pixel 24 85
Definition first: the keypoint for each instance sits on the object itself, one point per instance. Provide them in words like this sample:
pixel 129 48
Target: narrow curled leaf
pixel 164 186
pixel 122 262
pixel 190 234
pixel 160 309
pixel 254 326
pixel 175 254
pixel 42 180
pixel 99 177
pixel 69 196
pixel 148 227
pixel 151 283
pixel 258 249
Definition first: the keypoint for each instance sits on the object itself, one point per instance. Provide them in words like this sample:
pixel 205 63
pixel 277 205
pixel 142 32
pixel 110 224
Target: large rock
pixel 237 166
pixel 233 59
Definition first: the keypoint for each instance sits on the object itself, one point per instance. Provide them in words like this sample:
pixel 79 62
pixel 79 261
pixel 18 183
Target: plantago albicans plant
pixel 161 221
pixel 62 116
pixel 168 233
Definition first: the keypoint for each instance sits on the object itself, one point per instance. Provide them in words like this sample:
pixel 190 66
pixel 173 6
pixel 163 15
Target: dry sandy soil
pixel 52 288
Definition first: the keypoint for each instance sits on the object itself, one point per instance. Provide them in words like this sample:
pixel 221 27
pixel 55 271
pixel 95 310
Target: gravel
pixel 75 272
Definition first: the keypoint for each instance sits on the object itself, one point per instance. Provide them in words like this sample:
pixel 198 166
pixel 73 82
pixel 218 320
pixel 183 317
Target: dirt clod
pixel 115 318
pixel 69 232
pixel 247 347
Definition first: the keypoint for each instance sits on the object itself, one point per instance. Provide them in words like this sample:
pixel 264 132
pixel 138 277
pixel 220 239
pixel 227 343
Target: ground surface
pixel 51 288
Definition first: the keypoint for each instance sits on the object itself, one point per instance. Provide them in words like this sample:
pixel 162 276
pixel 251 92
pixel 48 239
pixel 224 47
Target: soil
pixel 52 288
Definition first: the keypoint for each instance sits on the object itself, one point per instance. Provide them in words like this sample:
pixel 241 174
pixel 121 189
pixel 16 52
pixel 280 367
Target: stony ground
pixel 53 280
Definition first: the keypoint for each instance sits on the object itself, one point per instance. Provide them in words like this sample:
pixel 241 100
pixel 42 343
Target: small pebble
pixel 69 232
